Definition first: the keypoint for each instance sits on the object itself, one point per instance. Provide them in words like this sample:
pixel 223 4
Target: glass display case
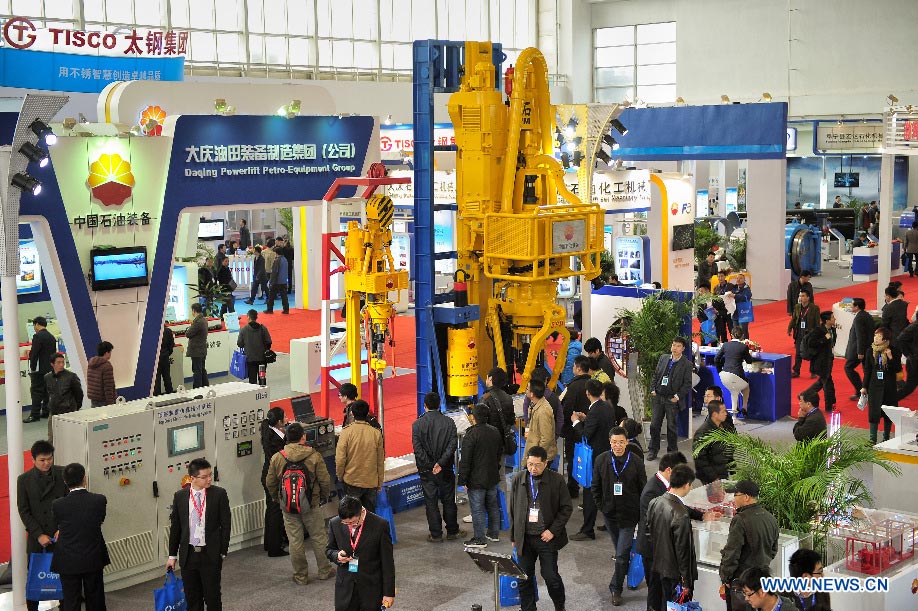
pixel 907 432
pixel 871 525
pixel 711 537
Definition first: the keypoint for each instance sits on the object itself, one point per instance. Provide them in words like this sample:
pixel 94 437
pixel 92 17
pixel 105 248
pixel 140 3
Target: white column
pixel 765 207
pixel 9 302
pixel 884 250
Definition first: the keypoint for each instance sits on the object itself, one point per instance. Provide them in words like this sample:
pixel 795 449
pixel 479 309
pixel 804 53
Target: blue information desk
pixel 770 393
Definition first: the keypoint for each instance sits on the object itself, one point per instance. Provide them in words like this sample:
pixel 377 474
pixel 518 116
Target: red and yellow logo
pixel 151 120
pixel 110 179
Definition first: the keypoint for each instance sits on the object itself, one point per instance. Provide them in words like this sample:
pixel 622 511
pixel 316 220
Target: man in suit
pixel 540 507
pixel 65 394
pixel 360 545
pixel 196 348
pixel 80 553
pixel 199 535
pixel 908 344
pixel 895 312
pixel 801 284
pixel 36 490
pixel 672 382
pixel 574 399
pixel 804 319
pixel 42 349
pixel 859 338
pixel 594 426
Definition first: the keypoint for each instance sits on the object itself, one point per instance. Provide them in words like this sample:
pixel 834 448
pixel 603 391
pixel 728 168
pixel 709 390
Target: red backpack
pixel 296 486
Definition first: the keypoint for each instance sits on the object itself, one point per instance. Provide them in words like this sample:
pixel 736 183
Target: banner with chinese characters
pixel 617 191
pixel 61 59
pixel 834 137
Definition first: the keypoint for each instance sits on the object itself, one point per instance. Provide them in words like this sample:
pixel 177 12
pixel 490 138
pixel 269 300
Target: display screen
pixel 29 280
pixel 311 435
pixel 186 438
pixel 117 268
pixel 211 229
pixel 683 236
pixel 847 179
pixel 629 260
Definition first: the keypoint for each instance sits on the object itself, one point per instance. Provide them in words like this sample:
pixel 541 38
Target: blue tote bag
pixel 41 583
pixel 583 463
pixel 636 568
pixel 170 597
pixel 744 312
pixel 509 589
pixel 239 364
pixel 384 510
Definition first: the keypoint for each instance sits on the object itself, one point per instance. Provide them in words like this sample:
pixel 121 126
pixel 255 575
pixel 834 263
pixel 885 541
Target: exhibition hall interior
pixel 458 304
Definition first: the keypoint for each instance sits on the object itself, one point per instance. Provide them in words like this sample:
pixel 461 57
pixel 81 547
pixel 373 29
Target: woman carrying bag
pixel 882 363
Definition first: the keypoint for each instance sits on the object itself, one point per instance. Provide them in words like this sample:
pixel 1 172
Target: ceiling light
pixel 388 120
pixel 610 142
pixel 565 160
pixel 221 107
pixel 892 100
pixel 680 101
pixel 618 125
pixel 26 183
pixel 40 129
pixel 289 110
pixel 766 97
pixel 601 154
pixel 725 99
pixel 34 153
pixel 69 123
pixel 577 158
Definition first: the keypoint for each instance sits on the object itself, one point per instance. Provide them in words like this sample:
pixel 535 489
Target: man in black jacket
pixel 40 352
pixel 895 312
pixel 434 439
pixel 810 419
pixel 360 545
pixel 859 338
pixel 908 343
pixel 479 471
pixel 618 480
pixel 163 363
pixel 670 541
pixel 575 400
pixel 80 554
pixel 713 460
pixel 801 284
pixel 199 537
pixel 594 426
pixel 36 491
pixel 259 278
pixel 65 393
pixel 539 510
pixel 821 342
pixel 751 542
pixel 500 404
pixel 672 382
pixel 593 349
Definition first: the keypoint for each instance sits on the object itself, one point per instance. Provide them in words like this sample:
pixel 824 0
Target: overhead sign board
pixel 616 191
pixel 834 137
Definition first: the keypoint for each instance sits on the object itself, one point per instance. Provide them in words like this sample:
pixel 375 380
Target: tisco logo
pixel 151 120
pixel 110 179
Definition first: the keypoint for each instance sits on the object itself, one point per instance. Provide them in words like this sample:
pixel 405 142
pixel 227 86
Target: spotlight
pixel 69 123
pixel 222 108
pixel 618 125
pixel 289 110
pixel 725 99
pixel 40 129
pixel 569 132
pixel 602 154
pixel 565 160
pixel 388 120
pixel 24 182
pixel 892 100
pixel 83 118
pixel 680 101
pixel 766 97
pixel 34 154
pixel 610 142
pixel 136 131
pixel 577 158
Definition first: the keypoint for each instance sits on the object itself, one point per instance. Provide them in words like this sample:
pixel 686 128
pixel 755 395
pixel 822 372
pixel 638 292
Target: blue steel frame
pixel 437 69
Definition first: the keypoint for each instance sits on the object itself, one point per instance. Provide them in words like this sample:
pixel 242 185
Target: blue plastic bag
pixel 708 332
pixel 41 583
pixel 384 510
pixel 239 364
pixel 636 568
pixel 744 312
pixel 583 464
pixel 170 597
pixel 509 589
pixel 504 514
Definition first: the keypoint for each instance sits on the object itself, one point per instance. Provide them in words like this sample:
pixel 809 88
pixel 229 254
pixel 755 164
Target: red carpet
pixel 770 330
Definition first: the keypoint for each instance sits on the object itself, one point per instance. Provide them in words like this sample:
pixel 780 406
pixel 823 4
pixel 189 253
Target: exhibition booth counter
pixel 844 318
pixel 219 347
pixel 865 263
pixel 769 384
pixel 902 450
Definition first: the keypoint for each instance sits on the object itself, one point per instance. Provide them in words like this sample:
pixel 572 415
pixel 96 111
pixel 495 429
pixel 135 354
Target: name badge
pixel 617 489
pixel 803 324
pixel 879 375
pixel 352 565
pixel 664 381
pixel 533 514
pixel 199 532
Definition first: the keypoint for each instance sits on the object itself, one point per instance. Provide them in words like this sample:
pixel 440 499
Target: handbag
pixel 583 463
pixel 232 285
pixel 862 402
pixel 680 604
pixel 384 510
pixel 41 583
pixel 636 568
pixel 270 356
pixel 744 312
pixel 509 589
pixel 170 597
pixel 239 364
pixel 504 514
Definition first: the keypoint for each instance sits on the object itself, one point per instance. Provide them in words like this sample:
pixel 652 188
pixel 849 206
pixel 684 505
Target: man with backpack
pixel 804 319
pixel 298 480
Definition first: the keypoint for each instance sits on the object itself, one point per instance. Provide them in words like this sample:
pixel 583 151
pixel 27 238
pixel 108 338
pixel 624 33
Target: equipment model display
pixel 514 240
pixel 136 453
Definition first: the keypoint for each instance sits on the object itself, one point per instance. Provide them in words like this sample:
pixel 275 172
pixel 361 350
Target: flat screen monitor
pixel 119 268
pixel 303 410
pixel 211 229
pixel 847 179
pixel 186 438
pixel 683 236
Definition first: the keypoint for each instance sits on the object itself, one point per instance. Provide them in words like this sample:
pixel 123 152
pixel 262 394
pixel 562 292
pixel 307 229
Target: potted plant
pixel 809 486
pixel 212 295
pixel 706 238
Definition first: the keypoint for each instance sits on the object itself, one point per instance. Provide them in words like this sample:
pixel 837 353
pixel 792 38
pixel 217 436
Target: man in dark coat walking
pixel 36 491
pixel 43 347
pixel 672 382
pixel 594 426
pixel 479 471
pixel 712 461
pixel 80 553
pixel 859 337
pixel 574 400
pixel 540 507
